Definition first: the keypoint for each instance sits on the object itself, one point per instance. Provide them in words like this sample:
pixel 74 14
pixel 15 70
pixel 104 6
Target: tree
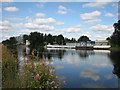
pixel 60 39
pixel 36 40
pixel 115 38
pixel 10 43
pixel 49 39
pixel 73 40
pixel 13 41
pixel 83 39
pixel 108 38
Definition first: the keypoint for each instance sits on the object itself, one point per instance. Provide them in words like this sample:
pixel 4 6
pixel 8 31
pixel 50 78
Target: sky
pixel 72 19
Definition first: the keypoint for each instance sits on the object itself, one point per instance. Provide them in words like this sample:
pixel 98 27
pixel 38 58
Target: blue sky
pixel 72 19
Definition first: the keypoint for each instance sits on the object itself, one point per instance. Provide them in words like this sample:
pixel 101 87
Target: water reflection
pixel 115 58
pixel 81 67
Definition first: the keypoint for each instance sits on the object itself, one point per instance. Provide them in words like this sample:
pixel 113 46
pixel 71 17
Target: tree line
pixel 38 39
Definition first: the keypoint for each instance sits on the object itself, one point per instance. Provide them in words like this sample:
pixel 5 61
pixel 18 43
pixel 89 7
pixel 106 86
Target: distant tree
pixel 67 40
pixel 115 38
pixel 84 39
pixel 36 40
pixel 6 42
pixel 49 39
pixel 73 40
pixel 13 41
pixel 25 37
pixel 108 38
pixel 10 43
pixel 60 39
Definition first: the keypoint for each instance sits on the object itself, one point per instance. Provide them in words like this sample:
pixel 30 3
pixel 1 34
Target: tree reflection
pixel 115 58
pixel 84 53
pixel 57 53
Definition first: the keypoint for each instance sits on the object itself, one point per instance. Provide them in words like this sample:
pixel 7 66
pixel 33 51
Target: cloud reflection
pixel 108 76
pixel 90 73
pixel 59 67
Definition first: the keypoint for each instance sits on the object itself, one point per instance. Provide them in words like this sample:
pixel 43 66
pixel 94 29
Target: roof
pixel 101 41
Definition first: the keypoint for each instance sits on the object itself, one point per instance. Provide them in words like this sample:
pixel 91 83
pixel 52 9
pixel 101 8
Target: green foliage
pixel 60 39
pixel 83 39
pixel 36 40
pixel 115 38
pixel 49 39
pixel 10 43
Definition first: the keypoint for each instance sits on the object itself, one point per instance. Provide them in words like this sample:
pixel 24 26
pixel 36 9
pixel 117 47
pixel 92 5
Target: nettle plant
pixel 38 73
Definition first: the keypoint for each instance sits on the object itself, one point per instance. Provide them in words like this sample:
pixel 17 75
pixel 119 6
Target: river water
pixel 83 68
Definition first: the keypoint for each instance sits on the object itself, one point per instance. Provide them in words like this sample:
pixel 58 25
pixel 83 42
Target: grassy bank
pixel 9 67
pixel 33 73
pixel 115 48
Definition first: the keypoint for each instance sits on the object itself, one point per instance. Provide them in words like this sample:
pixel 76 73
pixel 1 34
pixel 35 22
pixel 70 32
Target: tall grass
pixel 9 67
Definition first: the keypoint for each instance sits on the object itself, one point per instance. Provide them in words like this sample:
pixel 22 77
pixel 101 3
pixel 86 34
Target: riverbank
pixel 115 48
pixel 9 67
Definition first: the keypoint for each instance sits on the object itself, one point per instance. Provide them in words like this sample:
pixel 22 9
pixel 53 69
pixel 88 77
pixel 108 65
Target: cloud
pixel 70 30
pixel 115 5
pixel 92 15
pixel 90 73
pixel 28 19
pixel 40 14
pixel 102 28
pixel 62 7
pixel 95 4
pixel 78 26
pixel 11 9
pixel 26 31
pixel 93 21
pixel 62 10
pixel 59 23
pixel 33 26
pixel 13 19
pixel 3 37
pixel 9 27
pixel 47 21
pixel 109 15
pixel 87 34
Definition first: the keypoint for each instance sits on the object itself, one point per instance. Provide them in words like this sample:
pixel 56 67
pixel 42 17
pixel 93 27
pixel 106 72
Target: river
pixel 83 68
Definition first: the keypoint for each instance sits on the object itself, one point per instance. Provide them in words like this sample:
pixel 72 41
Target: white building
pixel 27 42
pixel 101 43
